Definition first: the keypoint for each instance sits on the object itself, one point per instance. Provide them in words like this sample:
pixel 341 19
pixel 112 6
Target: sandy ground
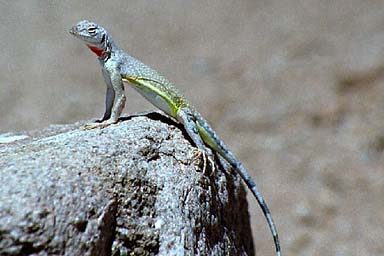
pixel 295 88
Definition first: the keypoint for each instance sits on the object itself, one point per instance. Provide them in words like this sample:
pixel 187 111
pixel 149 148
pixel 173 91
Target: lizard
pixel 119 68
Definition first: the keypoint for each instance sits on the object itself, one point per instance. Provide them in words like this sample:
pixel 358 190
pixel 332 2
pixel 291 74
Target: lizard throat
pixel 98 51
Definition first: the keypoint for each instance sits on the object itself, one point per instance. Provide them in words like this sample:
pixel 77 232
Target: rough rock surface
pixel 135 187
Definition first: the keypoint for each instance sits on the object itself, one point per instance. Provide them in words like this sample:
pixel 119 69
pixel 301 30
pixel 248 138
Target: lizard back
pixel 152 85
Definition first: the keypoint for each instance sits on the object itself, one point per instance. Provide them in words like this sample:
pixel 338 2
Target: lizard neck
pixel 98 51
pixel 104 49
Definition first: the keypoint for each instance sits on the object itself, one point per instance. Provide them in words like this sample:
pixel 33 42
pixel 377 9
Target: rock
pixel 134 188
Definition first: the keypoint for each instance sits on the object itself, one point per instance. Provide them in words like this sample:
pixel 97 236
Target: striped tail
pixel 263 205
pixel 210 137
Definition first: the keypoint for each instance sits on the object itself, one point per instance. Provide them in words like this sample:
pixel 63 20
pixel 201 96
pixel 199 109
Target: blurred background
pixel 295 88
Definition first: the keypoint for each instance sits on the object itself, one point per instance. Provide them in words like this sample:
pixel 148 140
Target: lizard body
pixel 118 68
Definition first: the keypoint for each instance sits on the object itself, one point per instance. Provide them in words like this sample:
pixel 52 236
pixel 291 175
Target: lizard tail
pixel 210 137
pixel 263 205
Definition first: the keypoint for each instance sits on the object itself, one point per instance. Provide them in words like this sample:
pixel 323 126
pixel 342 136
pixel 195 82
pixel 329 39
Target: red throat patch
pixel 96 50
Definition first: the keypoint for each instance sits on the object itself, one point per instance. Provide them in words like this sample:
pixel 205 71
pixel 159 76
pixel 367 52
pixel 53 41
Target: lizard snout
pixel 72 31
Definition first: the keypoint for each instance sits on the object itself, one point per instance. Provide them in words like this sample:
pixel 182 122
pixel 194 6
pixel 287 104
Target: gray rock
pixel 135 188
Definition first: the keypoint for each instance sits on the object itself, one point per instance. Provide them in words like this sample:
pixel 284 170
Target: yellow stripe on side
pixel 153 92
pixel 208 138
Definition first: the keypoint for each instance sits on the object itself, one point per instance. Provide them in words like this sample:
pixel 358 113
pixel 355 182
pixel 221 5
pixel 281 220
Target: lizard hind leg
pixel 186 117
pixel 207 158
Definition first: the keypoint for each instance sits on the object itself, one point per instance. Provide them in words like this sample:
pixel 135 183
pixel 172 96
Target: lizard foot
pixel 101 125
pixel 207 159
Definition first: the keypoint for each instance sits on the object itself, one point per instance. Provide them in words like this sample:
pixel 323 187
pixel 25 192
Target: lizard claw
pixel 91 126
pixel 207 159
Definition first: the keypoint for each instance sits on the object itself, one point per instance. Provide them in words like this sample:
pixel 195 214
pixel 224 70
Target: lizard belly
pixel 157 99
pixel 158 102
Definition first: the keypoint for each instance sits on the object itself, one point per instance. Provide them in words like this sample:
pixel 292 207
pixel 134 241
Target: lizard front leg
pixel 186 117
pixel 109 99
pixel 115 90
pixel 118 87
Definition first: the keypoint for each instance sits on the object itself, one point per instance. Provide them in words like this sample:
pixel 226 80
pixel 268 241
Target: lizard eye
pixel 92 30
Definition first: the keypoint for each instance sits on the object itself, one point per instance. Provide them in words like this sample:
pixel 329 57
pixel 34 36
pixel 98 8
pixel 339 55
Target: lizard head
pixel 89 32
pixel 93 35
